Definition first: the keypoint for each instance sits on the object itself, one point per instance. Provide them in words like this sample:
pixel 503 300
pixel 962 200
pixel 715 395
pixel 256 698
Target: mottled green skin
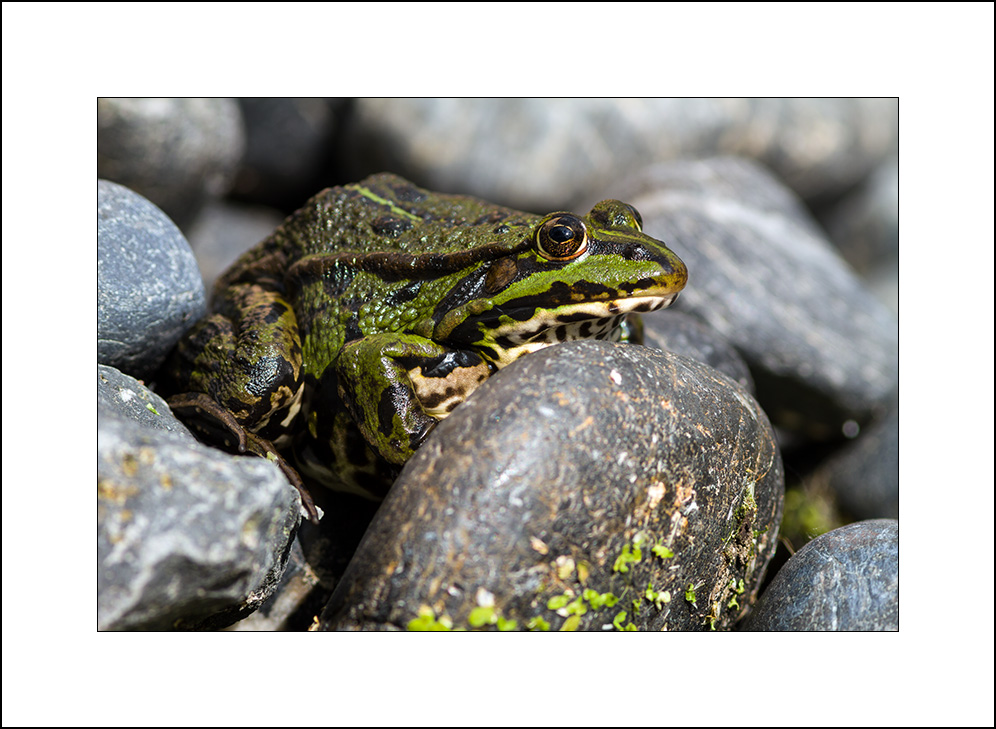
pixel 376 308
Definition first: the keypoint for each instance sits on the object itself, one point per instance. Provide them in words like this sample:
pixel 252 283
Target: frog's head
pixel 575 278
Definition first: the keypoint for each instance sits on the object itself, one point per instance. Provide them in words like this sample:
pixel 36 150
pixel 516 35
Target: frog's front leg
pixel 237 374
pixel 398 386
pixel 247 356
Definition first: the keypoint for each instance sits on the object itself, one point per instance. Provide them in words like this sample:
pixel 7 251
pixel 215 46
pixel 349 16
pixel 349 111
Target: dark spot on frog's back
pixel 402 190
pixel 404 294
pixel 495 216
pixel 390 227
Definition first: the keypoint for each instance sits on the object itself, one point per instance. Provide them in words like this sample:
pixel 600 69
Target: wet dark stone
pixel 847 579
pixel 550 488
pixel 149 290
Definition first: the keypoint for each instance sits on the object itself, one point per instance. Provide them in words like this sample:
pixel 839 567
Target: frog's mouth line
pixel 589 320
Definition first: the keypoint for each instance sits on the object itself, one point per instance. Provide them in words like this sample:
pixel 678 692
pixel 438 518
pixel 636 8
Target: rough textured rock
pixel 821 348
pixel 188 537
pixel 847 579
pixel 549 154
pixel 588 486
pixel 178 153
pixel 149 290
pixel 288 607
pixel 121 396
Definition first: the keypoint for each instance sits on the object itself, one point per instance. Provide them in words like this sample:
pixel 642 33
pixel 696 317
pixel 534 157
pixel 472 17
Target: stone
pixel 288 148
pixel 149 290
pixel 847 579
pixel 178 153
pixel 864 475
pixel 864 225
pixel 121 396
pixel 554 154
pixel 224 231
pixel 587 486
pixel 188 537
pixel 821 348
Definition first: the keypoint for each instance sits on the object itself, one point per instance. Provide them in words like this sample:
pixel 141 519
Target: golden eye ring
pixel 562 238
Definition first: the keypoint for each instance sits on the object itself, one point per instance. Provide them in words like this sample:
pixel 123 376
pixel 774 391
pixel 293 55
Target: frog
pixel 336 345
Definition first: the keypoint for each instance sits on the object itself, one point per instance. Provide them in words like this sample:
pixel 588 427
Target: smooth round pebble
pixel 847 579
pixel 149 289
pixel 288 147
pixel 587 486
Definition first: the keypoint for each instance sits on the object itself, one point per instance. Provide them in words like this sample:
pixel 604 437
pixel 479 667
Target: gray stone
pixel 821 348
pixel 550 154
pixel 121 396
pixel 864 225
pixel 847 579
pixel 188 537
pixel 883 282
pixel 149 290
pixel 285 609
pixel 176 152
pixel 864 476
pixel 551 487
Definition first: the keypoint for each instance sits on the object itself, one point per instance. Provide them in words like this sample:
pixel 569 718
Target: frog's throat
pixel 506 342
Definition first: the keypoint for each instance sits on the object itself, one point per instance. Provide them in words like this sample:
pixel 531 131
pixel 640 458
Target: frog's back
pixel 386 213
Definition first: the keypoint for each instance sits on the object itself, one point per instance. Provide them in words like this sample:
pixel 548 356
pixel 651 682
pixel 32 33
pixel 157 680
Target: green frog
pixel 377 308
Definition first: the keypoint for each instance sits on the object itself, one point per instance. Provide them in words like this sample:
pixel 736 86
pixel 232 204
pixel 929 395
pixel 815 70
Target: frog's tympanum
pixel 378 307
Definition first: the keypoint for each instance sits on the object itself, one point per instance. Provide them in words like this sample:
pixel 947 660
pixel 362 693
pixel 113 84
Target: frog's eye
pixel 562 238
pixel 637 218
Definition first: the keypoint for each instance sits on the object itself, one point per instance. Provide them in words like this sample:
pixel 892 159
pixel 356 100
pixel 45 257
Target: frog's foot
pixel 203 414
pixel 264 448
pixel 418 438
